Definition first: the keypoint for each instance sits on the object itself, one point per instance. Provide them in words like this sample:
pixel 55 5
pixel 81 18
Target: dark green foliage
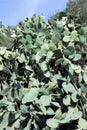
pixel 78 8
pixel 43 76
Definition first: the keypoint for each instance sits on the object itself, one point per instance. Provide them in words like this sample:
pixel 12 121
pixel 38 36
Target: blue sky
pixel 13 11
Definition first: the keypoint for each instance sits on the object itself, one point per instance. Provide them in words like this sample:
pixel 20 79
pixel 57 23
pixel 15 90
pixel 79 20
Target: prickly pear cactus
pixel 43 76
